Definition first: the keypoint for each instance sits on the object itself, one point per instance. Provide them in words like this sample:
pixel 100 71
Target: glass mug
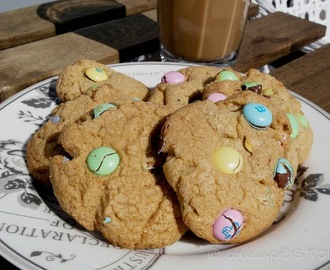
pixel 201 31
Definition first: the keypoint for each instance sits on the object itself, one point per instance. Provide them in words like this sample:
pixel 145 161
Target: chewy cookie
pixel 85 76
pixel 178 88
pixel 229 82
pixel 113 181
pixel 43 144
pixel 301 137
pixel 228 165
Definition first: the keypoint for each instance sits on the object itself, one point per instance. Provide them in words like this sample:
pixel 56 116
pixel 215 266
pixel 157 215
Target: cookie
pixel 85 76
pixel 111 179
pixel 224 84
pixel 225 162
pixel 179 88
pixel 301 136
pixel 43 144
pixel 268 86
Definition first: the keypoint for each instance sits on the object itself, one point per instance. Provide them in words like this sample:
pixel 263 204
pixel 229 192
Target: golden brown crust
pixel 43 144
pixel 72 82
pixel 142 207
pixel 190 137
pixel 137 206
pixel 178 95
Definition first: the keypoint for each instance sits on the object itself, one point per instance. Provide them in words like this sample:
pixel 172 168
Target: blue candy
pixel 257 115
pixel 283 173
pixel 55 119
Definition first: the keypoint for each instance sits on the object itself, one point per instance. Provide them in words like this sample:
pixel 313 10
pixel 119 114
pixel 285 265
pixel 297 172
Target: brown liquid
pixel 201 30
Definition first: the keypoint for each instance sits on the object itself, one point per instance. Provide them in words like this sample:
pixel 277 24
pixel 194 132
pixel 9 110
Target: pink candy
pixel 215 97
pixel 173 77
pixel 228 225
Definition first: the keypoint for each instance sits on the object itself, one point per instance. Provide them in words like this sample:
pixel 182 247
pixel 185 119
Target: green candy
pixel 249 84
pixel 294 125
pixel 98 110
pixel 103 160
pixel 252 86
pixel 226 75
pixel 302 120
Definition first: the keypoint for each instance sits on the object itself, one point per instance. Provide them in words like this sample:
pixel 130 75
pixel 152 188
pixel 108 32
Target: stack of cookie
pixel 210 150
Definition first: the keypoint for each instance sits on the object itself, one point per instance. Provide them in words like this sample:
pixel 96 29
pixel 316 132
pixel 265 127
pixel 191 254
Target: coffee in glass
pixel 201 31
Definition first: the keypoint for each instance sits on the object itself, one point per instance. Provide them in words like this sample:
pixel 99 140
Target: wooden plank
pixel 135 35
pixel 37 22
pixel 138 6
pixel 253 10
pixel 271 37
pixel 309 76
pixel 266 39
pixel 27 64
pixel 75 14
pixel 22 26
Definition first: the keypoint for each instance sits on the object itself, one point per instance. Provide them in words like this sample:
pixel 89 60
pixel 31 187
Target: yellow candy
pixel 268 92
pixel 227 160
pixel 248 146
pixel 96 74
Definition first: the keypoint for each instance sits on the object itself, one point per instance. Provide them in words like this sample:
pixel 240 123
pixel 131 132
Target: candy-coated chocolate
pixel 227 160
pixel 55 119
pixel 248 145
pixel 294 125
pixel 226 75
pixel 228 225
pixel 257 115
pixel 215 97
pixel 93 87
pixel 96 74
pixel 252 86
pixel 173 77
pixel 283 173
pixel 66 159
pixel 268 92
pixel 98 110
pixel 103 160
pixel 302 120
pixel 106 220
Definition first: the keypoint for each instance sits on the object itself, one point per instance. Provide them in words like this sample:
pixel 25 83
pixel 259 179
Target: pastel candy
pixel 268 92
pixel 93 87
pixel 228 225
pixel 173 77
pixel 226 75
pixel 283 173
pixel 215 97
pixel 106 220
pixel 294 125
pixel 55 119
pixel 103 160
pixel 227 160
pixel 98 110
pixel 302 120
pixel 257 115
pixel 252 86
pixel 96 74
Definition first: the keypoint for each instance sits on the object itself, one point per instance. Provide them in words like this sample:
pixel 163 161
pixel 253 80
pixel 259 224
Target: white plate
pixel 36 234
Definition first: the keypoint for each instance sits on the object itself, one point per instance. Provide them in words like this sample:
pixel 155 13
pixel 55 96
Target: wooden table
pixel 48 37
pixel 37 42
